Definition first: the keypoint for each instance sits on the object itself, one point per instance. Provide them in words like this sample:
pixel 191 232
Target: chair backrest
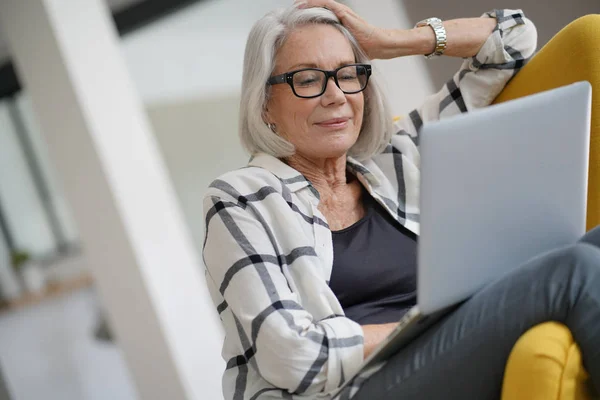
pixel 570 56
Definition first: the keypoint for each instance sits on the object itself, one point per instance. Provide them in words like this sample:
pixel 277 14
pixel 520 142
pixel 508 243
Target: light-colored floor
pixel 48 351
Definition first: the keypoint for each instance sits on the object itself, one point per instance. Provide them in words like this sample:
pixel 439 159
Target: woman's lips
pixel 335 123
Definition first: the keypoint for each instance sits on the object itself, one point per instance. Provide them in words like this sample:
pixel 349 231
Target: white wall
pixel 199 142
pixel 197 52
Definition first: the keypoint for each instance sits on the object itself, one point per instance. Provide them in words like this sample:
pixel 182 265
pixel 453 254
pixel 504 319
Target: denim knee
pixel 580 260
pixel 584 259
pixel 592 237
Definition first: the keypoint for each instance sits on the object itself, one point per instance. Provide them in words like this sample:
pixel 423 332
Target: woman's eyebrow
pixel 312 65
pixel 303 65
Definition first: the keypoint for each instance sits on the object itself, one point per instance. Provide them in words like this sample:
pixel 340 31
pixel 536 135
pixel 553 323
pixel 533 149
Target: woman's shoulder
pixel 243 182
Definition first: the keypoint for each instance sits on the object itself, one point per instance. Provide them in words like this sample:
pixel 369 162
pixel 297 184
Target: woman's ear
pixel 266 116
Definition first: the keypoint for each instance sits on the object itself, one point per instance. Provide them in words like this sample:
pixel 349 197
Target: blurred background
pixel 101 280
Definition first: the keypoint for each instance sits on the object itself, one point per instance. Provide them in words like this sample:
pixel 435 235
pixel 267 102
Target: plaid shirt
pixel 268 249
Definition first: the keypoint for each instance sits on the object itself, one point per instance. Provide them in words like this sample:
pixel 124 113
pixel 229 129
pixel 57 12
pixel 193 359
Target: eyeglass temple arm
pixel 277 79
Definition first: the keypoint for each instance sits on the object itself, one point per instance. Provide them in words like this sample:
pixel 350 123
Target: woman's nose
pixel 333 94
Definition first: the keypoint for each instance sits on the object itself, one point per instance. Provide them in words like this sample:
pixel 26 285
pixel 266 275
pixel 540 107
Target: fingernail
pixel 300 3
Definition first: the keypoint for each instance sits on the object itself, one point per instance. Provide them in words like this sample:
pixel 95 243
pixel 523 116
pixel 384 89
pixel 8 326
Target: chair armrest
pixel 570 56
pixel 546 364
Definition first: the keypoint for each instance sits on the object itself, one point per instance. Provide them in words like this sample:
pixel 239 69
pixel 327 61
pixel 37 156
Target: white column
pixel 135 239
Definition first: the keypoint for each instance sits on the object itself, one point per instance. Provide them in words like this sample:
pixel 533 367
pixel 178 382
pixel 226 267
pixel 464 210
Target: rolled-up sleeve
pixel 272 331
pixel 480 78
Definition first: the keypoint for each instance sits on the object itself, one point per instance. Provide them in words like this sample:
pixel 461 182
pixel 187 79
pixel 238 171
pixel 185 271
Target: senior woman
pixel 310 249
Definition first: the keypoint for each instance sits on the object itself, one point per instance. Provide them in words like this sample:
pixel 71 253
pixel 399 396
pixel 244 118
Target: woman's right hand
pixel 374 335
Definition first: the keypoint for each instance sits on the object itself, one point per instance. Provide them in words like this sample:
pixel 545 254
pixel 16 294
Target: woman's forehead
pixel 319 46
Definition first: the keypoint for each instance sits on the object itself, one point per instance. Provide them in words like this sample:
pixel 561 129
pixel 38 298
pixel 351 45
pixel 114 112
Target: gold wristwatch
pixel 440 35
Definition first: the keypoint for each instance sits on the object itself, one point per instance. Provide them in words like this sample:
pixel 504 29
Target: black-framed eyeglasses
pixel 312 82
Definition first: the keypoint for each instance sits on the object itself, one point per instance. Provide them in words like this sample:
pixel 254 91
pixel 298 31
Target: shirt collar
pixel 295 181
pixel 362 169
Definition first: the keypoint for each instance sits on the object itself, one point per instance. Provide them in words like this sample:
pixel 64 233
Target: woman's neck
pixel 326 175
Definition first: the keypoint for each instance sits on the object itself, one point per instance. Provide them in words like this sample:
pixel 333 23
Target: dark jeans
pixel 464 356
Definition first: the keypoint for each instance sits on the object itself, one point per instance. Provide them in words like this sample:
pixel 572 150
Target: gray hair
pixel 266 37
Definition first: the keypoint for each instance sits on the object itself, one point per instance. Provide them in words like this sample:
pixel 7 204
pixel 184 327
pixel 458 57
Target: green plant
pixel 19 258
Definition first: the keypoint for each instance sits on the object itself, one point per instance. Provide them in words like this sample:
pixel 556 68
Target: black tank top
pixel 374 267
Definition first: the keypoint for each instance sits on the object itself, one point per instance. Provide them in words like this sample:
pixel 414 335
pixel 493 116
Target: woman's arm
pixel 374 335
pixel 464 36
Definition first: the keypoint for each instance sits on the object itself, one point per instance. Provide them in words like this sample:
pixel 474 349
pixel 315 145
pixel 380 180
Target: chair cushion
pixel 546 364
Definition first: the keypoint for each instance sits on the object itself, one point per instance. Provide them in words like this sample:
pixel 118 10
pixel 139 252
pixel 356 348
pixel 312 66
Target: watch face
pixel 428 21
pixel 440 35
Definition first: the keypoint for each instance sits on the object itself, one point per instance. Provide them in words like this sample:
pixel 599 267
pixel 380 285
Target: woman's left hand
pixel 370 38
pixel 465 36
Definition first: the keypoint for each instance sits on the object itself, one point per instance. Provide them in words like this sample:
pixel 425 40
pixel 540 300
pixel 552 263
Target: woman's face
pixel 321 127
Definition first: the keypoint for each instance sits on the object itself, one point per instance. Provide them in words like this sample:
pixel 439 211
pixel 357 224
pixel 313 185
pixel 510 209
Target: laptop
pixel 499 185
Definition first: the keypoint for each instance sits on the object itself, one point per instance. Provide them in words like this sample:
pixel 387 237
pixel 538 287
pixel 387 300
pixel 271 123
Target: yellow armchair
pixel 546 363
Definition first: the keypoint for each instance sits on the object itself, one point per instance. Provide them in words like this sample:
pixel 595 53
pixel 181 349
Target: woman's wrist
pixel 407 42
pixel 374 335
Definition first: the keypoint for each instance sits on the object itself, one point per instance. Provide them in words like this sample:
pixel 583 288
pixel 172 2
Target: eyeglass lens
pixel 311 82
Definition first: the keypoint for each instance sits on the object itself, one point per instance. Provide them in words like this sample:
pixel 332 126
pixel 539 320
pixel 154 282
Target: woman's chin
pixel 334 145
pixel 328 150
pixel 328 145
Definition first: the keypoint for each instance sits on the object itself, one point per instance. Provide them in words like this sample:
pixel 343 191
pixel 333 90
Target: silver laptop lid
pixel 498 186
